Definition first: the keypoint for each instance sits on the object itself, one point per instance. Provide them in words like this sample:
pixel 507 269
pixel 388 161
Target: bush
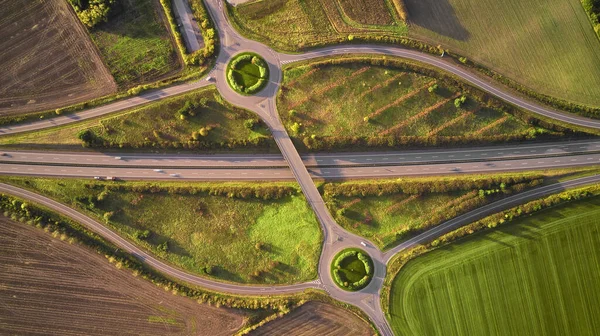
pixel 92 12
pixel 458 102
pixel 433 88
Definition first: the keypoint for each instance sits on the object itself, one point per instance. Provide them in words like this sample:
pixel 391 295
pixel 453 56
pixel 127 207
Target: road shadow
pixel 437 16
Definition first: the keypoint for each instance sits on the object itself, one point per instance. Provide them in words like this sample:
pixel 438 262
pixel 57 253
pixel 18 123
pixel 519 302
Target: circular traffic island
pixel 247 73
pixel 352 269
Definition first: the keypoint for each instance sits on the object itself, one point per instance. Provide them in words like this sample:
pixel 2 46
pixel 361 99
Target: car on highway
pixel 174 175
pixel 363 243
pixel 158 170
pixel 97 178
pixel 118 158
pixel 112 178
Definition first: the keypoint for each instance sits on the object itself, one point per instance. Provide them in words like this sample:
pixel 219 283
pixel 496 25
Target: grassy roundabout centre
pixel 247 73
pixel 352 269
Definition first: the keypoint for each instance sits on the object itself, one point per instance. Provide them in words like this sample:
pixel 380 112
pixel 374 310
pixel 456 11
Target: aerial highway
pixel 258 173
pixel 291 165
pixel 406 157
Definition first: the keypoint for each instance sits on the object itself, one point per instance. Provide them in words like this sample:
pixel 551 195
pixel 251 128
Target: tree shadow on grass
pixel 220 272
pixel 437 16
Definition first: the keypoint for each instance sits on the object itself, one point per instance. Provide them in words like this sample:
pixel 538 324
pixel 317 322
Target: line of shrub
pixel 92 140
pixel 263 192
pixel 336 269
pixel 417 187
pixel 398 261
pixel 209 35
pixel 592 8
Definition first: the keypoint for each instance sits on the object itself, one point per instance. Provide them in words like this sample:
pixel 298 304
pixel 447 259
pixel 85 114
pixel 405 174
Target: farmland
pixel 136 44
pixel 296 24
pixel 547 46
pixel 245 232
pixel 536 276
pixel 316 319
pixel 321 105
pixel 214 125
pixel 47 58
pixel 52 287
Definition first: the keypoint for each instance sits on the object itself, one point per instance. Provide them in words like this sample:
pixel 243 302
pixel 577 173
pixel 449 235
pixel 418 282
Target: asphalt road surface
pixel 433 156
pixel 263 174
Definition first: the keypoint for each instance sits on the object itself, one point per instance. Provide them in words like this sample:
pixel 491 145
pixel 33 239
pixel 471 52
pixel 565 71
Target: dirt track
pixel 51 287
pixel 316 319
pixel 46 58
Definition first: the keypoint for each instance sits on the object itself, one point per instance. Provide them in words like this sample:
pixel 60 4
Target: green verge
pixel 352 269
pixel 247 73
pixel 357 103
pixel 262 233
pixel 136 44
pixel 542 268
pixel 198 121
pixel 260 309
pixel 390 211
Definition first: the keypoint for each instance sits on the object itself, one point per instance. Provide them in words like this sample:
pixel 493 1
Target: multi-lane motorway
pixel 414 157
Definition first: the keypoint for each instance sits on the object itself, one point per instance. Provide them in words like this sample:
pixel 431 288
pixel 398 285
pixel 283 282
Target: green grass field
pixel 159 123
pixel 381 218
pixel 547 46
pixel 242 240
pixel 247 74
pixel 136 44
pixel 296 24
pixel 536 276
pixel 373 101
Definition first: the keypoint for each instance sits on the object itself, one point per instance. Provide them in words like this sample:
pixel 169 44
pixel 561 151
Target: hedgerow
pixel 336 267
pixel 245 192
pixel 352 189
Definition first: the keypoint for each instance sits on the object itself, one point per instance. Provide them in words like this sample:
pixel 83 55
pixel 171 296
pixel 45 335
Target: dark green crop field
pixel 538 276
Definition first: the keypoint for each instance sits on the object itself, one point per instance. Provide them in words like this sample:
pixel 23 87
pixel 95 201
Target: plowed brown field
pixel 49 287
pixel 316 319
pixel 46 58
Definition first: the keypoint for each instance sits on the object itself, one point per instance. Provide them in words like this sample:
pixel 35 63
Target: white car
pixel 97 178
pixel 174 175
pixel 209 79
pixel 158 170
pixel 117 158
pixel 363 243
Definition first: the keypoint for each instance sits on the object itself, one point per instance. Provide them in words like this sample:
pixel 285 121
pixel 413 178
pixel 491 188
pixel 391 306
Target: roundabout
pixel 352 269
pixel 247 73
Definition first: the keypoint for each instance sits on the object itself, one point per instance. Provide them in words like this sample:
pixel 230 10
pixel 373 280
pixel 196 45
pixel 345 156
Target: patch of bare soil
pixel 50 287
pixel 47 60
pixel 316 319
